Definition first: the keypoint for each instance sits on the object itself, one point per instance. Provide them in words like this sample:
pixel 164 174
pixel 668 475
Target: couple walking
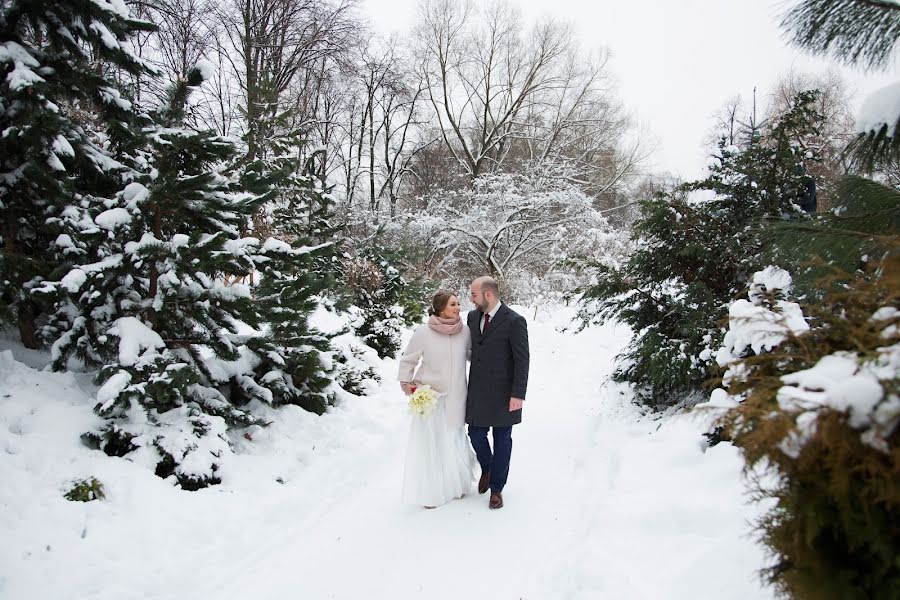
pixel 439 462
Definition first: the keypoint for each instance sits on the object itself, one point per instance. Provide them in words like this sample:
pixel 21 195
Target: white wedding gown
pixel 439 460
pixel 440 463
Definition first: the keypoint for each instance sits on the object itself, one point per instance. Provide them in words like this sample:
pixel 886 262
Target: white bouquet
pixel 423 400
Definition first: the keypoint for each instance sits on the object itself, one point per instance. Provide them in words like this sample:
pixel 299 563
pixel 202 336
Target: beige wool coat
pixel 439 360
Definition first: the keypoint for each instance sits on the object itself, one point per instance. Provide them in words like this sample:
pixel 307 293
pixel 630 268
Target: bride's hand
pixel 406 387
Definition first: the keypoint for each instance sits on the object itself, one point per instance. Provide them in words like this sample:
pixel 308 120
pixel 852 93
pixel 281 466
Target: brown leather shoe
pixel 485 482
pixel 496 501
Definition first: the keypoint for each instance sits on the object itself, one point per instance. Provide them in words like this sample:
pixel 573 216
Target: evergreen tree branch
pixel 874 148
pixel 861 32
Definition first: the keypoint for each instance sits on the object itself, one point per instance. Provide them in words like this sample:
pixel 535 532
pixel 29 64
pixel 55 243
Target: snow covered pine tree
pixel 185 354
pixel 695 250
pixel 58 109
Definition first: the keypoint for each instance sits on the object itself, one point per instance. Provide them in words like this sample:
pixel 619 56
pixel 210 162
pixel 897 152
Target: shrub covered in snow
pixel 383 299
pixel 819 409
pixel 516 227
pixel 86 490
pixel 758 325
pixel 356 363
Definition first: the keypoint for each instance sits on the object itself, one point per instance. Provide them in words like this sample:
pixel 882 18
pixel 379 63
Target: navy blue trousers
pixel 497 462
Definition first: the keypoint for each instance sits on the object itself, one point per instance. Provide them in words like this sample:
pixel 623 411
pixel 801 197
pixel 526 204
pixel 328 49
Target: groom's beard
pixel 483 306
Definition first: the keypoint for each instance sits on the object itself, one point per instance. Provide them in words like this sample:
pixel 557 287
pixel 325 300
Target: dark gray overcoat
pixel 499 368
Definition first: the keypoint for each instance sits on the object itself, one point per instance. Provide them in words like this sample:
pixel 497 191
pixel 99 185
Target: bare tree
pixel 349 133
pixel 276 51
pixel 726 123
pixel 482 73
pixel 381 124
pixel 186 34
pixel 432 169
pixel 506 98
pixel 219 111
pixel 576 130
pixel 375 68
pixel 348 123
pixel 334 122
pixel 189 31
pixel 399 106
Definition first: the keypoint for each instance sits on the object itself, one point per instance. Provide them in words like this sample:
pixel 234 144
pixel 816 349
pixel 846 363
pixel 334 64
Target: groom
pixel 498 377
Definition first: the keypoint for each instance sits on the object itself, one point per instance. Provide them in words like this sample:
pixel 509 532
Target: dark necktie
pixel 487 320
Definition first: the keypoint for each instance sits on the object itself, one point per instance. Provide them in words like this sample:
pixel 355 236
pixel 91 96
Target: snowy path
pixel 600 504
pixel 390 550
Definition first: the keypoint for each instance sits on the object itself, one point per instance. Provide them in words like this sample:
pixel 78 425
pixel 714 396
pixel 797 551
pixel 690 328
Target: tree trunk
pixel 27 328
pixel 251 83
pixel 154 271
pixel 372 200
pixel 25 311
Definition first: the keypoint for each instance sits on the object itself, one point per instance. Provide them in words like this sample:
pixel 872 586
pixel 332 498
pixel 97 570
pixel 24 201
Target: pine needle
pixel 857 32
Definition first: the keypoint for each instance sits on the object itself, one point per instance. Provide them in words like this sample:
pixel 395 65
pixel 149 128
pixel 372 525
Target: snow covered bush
pixel 86 490
pixel 383 299
pixel 820 411
pixel 758 325
pixel 355 363
pixel 513 226
pixel 354 374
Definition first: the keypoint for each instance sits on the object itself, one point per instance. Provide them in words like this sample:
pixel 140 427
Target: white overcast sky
pixel 676 61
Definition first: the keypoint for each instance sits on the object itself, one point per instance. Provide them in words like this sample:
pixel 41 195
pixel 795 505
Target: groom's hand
pixel 515 404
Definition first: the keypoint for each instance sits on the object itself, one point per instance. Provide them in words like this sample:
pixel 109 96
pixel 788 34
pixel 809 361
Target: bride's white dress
pixel 440 461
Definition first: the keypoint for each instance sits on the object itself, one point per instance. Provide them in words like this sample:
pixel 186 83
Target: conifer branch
pixel 861 32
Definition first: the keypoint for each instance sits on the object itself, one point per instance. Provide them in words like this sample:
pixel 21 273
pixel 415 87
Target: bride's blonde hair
pixel 439 302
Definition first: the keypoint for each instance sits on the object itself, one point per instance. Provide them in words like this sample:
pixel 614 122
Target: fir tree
pixel 860 228
pixel 300 209
pixel 296 363
pixel 297 276
pixel 696 249
pixel 59 109
pixel 858 32
pixel 299 273
pixel 832 458
pixel 184 345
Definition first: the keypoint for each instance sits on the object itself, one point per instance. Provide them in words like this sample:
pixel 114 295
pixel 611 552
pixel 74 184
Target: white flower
pixel 423 401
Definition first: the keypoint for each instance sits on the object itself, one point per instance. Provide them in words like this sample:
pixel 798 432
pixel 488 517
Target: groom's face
pixel 477 296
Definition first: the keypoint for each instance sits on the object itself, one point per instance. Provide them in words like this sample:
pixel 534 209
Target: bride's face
pixel 451 311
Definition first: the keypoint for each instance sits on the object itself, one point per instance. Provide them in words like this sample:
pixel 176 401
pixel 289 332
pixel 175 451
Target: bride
pixel 439 459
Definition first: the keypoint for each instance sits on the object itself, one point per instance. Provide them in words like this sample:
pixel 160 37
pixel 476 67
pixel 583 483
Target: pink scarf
pixel 445 326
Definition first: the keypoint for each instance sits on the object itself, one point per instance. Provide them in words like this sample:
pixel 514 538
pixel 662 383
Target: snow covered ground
pixel 601 502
